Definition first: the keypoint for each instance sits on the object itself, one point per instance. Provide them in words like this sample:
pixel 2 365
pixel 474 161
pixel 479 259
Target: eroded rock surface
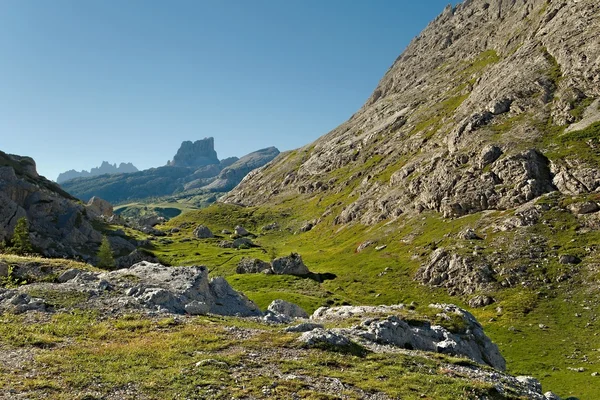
pixel 384 325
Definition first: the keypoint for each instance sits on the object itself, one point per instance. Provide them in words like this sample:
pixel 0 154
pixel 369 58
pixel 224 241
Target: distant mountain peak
pixel 195 154
pixel 104 168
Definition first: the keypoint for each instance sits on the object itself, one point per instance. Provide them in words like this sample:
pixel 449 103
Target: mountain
pixel 104 168
pixel 195 154
pixel 471 175
pixel 59 224
pixel 492 106
pixel 233 174
pixel 194 168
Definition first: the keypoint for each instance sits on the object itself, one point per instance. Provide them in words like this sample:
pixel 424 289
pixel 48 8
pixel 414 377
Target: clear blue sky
pixel 82 81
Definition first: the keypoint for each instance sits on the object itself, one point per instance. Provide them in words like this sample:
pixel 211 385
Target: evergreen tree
pixel 105 254
pixel 21 243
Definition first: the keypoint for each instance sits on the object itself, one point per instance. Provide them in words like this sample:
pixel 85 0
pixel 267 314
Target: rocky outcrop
pixel 59 225
pixel 195 154
pixel 460 275
pixel 104 168
pixel 98 208
pixel 144 287
pixel 385 325
pixel 469 118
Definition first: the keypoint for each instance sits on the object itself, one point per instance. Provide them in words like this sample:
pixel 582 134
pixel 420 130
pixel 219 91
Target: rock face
pixel 59 226
pixel 147 287
pixel 385 326
pixel 471 117
pixel 196 154
pixel 104 168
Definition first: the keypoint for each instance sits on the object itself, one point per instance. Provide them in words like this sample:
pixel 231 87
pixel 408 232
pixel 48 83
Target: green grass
pixel 203 357
pixel 361 278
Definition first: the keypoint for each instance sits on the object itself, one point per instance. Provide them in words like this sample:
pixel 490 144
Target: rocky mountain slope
pixel 194 167
pixel 493 105
pixel 59 224
pixel 104 168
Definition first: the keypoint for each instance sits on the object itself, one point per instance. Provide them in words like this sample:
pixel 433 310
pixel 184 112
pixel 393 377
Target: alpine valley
pixel 443 243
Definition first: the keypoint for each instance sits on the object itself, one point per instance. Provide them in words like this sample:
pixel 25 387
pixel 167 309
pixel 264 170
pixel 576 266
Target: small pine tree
pixel 105 254
pixel 21 243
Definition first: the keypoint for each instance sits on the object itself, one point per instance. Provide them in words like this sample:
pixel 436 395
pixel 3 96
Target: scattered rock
pixel 587 207
pixel 317 337
pixel 240 231
pixel 288 309
pixel 290 265
pixel 242 243
pixel 481 301
pixel 551 396
pixel 533 384
pixel 569 259
pixel 307 226
pixel 469 234
pixel 271 227
pixel 304 327
pixel 253 266
pixel 364 245
pixel 379 248
pixel 68 275
pixel 202 232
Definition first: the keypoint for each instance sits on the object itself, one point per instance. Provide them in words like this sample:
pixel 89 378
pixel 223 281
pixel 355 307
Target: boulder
pixel 241 231
pixel 469 234
pixel 180 290
pixel 587 207
pixel 202 232
pixel 488 155
pixel 307 226
pixel 569 259
pixel 99 208
pixel 253 266
pixel 242 243
pixel 319 337
pixel 290 265
pixel 288 309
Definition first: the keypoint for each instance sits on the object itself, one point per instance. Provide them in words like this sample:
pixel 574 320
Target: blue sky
pixel 82 81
